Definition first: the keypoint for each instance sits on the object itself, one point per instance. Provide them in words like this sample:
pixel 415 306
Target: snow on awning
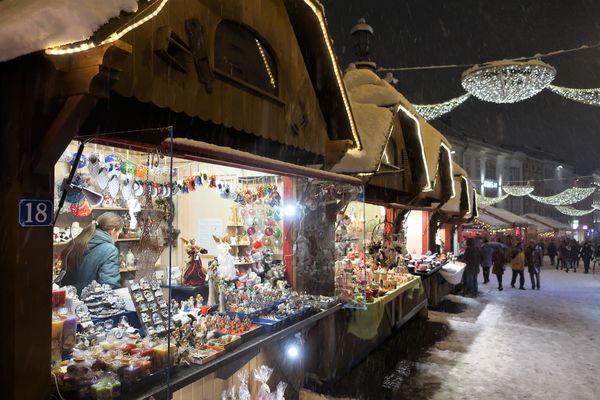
pixel 508 217
pixel 461 202
pixel 202 151
pixel 27 26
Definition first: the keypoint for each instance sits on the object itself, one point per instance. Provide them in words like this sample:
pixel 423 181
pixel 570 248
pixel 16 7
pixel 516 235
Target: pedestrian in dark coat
pixel 533 260
pixel 552 252
pixel 472 258
pixel 498 265
pixel 586 256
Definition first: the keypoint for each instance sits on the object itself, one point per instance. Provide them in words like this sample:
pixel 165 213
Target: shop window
pixel 240 54
pixel 490 169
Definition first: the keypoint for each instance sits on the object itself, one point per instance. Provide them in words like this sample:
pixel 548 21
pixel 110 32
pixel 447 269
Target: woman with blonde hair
pixel 92 255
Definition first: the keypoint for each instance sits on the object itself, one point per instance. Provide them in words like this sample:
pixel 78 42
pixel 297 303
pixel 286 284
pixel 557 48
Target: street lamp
pixel 361 36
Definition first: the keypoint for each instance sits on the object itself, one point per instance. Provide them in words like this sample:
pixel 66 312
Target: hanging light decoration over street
pixel 432 111
pixel 518 191
pixel 566 197
pixel 585 96
pixel 573 212
pixel 507 81
pixel 489 201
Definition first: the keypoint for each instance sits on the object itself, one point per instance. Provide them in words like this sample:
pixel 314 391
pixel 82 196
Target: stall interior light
pixel 292 351
pixel 428 187
pixel 60 50
pixel 336 70
pixel 290 210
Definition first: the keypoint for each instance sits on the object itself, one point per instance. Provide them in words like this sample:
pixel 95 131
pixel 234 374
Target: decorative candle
pixel 69 335
pixel 56 343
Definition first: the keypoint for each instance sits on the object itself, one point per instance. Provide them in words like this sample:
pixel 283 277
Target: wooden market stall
pixel 170 68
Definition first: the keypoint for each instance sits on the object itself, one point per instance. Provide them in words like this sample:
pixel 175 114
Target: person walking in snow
pixel 486 260
pixel 552 252
pixel 533 260
pixel 472 258
pixel 498 265
pixel 517 265
pixel 586 255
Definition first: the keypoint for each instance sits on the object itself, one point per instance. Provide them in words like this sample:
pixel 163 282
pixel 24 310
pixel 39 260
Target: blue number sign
pixel 34 212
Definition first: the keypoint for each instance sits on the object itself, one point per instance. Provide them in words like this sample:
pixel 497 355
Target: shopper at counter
pixel 92 255
pixel 472 258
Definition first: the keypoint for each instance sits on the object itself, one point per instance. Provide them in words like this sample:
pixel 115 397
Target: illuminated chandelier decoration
pixel 573 212
pixel 432 111
pixel 518 191
pixel 507 81
pixel 489 201
pixel 566 197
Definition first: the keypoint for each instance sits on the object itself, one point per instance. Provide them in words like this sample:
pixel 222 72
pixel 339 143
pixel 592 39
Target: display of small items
pixel 426 263
pixel 151 306
pixel 101 300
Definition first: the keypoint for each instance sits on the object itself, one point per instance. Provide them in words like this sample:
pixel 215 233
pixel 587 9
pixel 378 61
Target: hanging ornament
pixel 102 178
pixel 518 191
pixel 114 183
pixel 251 231
pixel 112 160
pixel 277 233
pixel 82 160
pixel 269 231
pixel 127 167
pixel 566 197
pixel 141 171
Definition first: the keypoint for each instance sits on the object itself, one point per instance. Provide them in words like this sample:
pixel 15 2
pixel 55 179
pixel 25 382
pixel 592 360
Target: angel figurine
pixel 194 274
pixel 212 278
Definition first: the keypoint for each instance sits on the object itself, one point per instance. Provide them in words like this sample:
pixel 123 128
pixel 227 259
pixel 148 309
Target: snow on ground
pixel 503 345
pixel 31 25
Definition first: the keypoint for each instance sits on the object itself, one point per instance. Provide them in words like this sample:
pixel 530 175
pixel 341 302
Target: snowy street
pixel 512 344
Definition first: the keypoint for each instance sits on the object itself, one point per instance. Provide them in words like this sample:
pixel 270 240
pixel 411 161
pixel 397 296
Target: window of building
pixel 490 169
pixel 240 54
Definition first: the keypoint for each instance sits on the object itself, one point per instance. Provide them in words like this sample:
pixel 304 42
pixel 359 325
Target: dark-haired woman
pixel 92 255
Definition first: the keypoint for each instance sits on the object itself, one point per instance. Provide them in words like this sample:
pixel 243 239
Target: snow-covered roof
pixel 494 222
pixel 452 206
pixel 508 216
pixel 550 222
pixel 371 100
pixel 27 26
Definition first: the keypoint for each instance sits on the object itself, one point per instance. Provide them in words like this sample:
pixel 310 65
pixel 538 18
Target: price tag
pixel 35 212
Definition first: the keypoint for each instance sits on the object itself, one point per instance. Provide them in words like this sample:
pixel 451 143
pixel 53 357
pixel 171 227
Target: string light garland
pixel 433 111
pixel 518 191
pixel 573 212
pixel 585 96
pixel 507 81
pixel 87 45
pixel 566 197
pixel 490 201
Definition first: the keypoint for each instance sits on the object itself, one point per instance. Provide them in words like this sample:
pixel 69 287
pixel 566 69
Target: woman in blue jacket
pixel 92 255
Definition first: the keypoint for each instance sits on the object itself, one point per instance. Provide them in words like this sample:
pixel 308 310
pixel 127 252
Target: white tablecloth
pixel 453 272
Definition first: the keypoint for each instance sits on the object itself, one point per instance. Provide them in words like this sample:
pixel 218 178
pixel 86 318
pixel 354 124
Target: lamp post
pixel 361 36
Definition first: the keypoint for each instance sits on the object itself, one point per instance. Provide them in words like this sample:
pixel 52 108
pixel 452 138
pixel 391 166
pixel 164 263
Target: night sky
pixel 431 32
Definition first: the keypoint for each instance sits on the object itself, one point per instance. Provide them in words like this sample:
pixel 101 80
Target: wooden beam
pixel 62 130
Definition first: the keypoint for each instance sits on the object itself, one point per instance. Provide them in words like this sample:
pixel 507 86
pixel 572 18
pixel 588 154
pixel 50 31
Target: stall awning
pixel 547 221
pixel 492 221
pixel 201 151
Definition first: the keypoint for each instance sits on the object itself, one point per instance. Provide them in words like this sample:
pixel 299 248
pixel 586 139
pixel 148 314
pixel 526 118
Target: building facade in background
pixel 491 166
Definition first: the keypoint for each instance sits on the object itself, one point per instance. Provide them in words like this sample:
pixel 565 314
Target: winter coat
pixel 486 256
pixel 498 262
pixel 518 262
pixel 535 259
pixel 472 259
pixel 100 263
pixel 552 250
pixel 586 253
